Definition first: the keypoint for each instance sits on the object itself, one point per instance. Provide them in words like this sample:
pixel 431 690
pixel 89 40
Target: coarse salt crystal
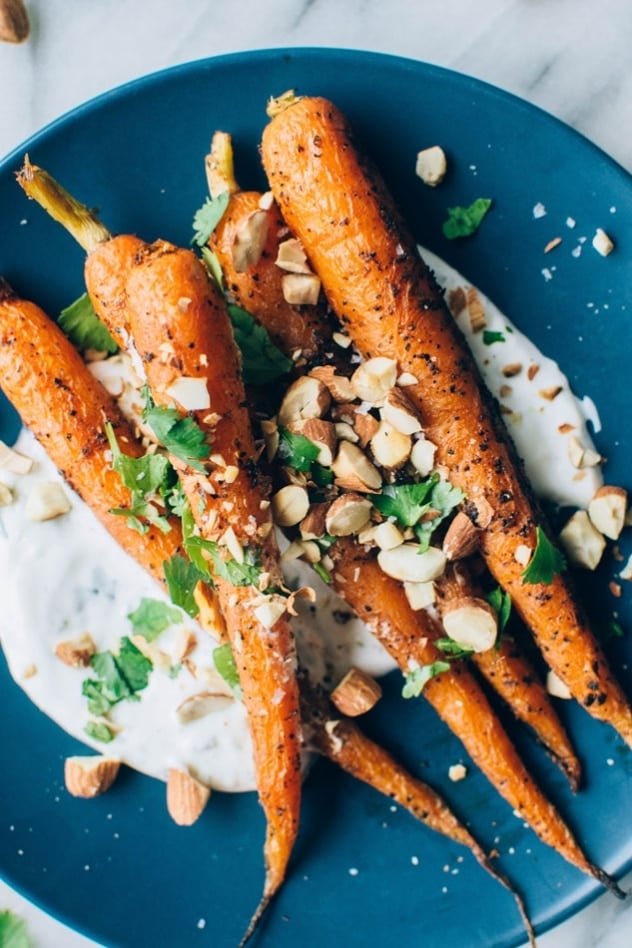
pixel 539 210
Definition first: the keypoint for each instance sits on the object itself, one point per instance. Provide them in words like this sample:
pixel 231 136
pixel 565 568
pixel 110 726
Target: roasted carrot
pixel 343 742
pixel 506 668
pixel 512 675
pixel 180 328
pixel 163 298
pixel 356 241
pixel 66 408
pixel 251 276
pixel 454 694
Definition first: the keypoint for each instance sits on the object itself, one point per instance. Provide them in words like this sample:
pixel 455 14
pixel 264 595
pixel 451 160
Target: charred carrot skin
pixel 342 741
pixel 454 694
pixel 339 208
pixel 170 297
pixel 511 674
pixel 66 408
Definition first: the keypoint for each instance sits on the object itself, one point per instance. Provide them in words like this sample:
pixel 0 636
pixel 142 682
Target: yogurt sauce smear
pixel 64 577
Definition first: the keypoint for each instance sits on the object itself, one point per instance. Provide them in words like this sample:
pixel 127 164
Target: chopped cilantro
pixel 406 502
pixel 322 476
pixel 491 336
pixel 98 731
pixel 206 219
pixel 179 434
pixel 153 616
pixel 140 514
pixel 234 572
pixel 213 266
pixel 13 932
pixel 261 360
pixel 84 328
pixel 545 562
pixel 443 499
pixel 225 665
pixel 419 677
pixel 295 450
pixel 452 649
pixel 120 676
pixel 182 576
pixel 500 601
pixel 144 475
pixel 465 221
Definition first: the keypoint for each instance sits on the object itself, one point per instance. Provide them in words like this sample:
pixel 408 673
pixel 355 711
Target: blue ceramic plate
pixel 363 872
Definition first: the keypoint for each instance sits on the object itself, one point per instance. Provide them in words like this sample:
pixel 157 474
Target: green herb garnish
pixel 261 360
pixel 490 336
pixel 98 731
pixel 465 221
pixel 182 576
pixel 120 677
pixel 213 266
pixel 452 649
pixel 500 601
pixel 245 573
pixel 13 932
pixel 419 677
pixel 207 217
pixel 407 503
pixel 84 328
pixel 179 434
pixel 297 451
pixel 225 665
pixel 153 616
pixel 546 562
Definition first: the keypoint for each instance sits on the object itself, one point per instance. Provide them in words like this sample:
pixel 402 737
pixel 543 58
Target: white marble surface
pixel 571 57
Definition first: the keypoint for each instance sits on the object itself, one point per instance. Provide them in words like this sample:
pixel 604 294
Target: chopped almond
pixel 471 622
pixel 89 776
pixel 76 653
pixel 374 378
pixel 356 694
pixel 582 541
pixel 186 797
pixel 607 510
pixel 347 515
pixel 461 538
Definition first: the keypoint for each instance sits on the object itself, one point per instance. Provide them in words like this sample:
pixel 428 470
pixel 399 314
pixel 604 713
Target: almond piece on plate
pixel 353 470
pixel 356 694
pixel 14 21
pixel 431 165
pixel 582 541
pixel 607 510
pixel 290 505
pixel 307 397
pixel 374 378
pixel 90 776
pixel 46 501
pixel 407 564
pixel 186 797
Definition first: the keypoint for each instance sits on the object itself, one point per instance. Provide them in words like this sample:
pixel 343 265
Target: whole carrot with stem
pixel 387 299
pixel 160 300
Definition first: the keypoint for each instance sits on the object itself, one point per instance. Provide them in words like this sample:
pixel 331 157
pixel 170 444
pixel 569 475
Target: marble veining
pixel 570 57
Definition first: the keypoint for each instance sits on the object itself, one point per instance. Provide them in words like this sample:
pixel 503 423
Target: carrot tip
pixel 256 918
pixel 602 876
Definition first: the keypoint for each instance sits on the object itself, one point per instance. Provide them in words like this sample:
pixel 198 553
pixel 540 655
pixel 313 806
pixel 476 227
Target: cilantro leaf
pixel 140 514
pixel 500 601
pixel 419 677
pixel 99 731
pixel 611 630
pixel 453 649
pixel 234 572
pixel 144 475
pixel 490 336
pixel 465 221
pixel 295 450
pixel 179 434
pixel 320 570
pixel 153 616
pixel 225 665
pixel 182 576
pixel 13 932
pixel 443 499
pixel 120 677
pixel 207 217
pixel 84 328
pixel 261 360
pixel 545 562
pixel 406 502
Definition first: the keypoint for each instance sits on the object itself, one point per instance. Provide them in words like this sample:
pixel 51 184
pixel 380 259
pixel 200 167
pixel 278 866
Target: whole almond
pixel 14 21
pixel 186 797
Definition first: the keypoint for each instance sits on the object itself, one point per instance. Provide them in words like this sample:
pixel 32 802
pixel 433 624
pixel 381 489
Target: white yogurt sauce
pixel 67 576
